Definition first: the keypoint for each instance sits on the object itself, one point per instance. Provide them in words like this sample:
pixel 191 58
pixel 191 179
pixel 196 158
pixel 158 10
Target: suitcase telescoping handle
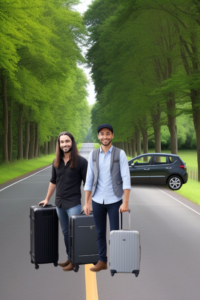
pixel 129 220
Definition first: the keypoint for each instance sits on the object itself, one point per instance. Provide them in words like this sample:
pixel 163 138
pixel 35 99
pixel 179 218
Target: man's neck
pixel 106 148
pixel 66 156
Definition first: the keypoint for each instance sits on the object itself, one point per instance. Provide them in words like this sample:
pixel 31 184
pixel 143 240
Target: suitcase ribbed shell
pixel 125 251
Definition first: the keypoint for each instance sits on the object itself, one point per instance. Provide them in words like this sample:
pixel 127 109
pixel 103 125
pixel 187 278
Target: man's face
pixel 65 143
pixel 105 136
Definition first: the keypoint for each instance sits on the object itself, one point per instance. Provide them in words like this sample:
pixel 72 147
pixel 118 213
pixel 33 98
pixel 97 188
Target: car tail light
pixel 182 167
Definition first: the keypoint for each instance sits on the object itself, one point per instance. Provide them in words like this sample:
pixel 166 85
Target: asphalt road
pixel 169 229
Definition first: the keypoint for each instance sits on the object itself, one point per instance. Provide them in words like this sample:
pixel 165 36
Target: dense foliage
pixel 43 91
pixel 145 60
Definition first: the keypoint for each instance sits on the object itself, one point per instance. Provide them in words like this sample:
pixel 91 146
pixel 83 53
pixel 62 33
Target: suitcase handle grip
pixel 129 220
pixel 82 213
pixel 47 205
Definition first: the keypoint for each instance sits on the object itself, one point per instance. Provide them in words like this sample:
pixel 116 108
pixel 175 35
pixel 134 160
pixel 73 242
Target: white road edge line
pixel 180 202
pixel 24 179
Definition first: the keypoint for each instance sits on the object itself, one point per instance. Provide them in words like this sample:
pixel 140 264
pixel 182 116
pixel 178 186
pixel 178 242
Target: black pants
pixel 100 214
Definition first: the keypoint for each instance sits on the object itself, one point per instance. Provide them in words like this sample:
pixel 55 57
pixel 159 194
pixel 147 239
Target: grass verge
pixel 20 167
pixel 191 191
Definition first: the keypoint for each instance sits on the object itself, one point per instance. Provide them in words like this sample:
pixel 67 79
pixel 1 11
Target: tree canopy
pixel 43 89
pixel 144 57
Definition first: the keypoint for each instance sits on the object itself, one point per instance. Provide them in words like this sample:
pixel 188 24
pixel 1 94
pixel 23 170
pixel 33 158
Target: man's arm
pixel 124 207
pixel 125 174
pixel 88 187
pixel 52 187
pixel 88 203
pixel 50 192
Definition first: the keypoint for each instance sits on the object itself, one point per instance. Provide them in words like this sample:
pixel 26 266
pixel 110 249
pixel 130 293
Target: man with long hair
pixel 68 171
pixel 108 178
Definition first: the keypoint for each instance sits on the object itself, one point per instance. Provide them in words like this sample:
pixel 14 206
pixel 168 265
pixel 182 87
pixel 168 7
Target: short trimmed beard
pixel 70 149
pixel 107 144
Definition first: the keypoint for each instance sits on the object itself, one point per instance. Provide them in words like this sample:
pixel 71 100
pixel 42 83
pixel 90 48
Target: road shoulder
pixel 14 180
pixel 180 198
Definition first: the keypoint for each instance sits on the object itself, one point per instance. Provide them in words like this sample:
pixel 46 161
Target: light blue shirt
pixel 104 192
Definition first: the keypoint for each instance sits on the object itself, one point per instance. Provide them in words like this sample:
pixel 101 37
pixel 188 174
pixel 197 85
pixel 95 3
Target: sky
pixel 82 7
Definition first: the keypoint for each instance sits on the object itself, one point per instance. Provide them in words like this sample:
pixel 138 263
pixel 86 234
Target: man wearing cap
pixel 108 178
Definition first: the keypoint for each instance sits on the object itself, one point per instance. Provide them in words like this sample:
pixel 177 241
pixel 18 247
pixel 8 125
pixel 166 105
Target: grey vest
pixel 114 171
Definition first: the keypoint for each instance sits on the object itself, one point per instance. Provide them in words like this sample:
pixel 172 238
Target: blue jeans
pixel 100 214
pixel 64 217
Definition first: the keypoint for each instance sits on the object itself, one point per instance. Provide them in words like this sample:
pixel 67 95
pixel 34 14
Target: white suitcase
pixel 125 251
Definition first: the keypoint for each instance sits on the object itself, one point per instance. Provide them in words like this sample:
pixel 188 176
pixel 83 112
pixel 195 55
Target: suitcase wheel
pixel 136 273
pixel 112 272
pixel 36 267
pixel 55 264
pixel 76 268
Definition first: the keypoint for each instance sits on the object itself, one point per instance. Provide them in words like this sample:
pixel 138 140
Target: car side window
pixel 171 159
pixel 141 161
pixel 160 160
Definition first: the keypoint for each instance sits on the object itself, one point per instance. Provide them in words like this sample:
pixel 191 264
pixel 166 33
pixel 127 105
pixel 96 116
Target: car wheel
pixel 174 182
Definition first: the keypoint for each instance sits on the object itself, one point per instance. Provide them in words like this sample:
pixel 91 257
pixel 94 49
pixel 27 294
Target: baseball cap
pixel 108 126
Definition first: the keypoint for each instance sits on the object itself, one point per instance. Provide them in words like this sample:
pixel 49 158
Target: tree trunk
pixel 49 147
pixel 20 133
pixel 10 132
pixel 27 139
pixel 53 144
pixel 145 143
pixel 32 140
pixel 138 139
pixel 171 116
pixel 129 149
pixel 157 139
pixel 196 119
pixel 45 148
pixel 5 120
pixel 36 141
pixel 133 147
pixel 157 135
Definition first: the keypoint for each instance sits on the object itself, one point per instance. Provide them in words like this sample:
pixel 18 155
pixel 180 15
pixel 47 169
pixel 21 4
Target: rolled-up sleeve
pixel 89 177
pixel 53 175
pixel 125 173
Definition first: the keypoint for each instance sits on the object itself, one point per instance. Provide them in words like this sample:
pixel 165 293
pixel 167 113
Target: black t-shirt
pixel 68 183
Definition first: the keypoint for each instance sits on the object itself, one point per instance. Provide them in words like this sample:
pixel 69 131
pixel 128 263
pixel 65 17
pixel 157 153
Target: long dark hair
pixel 59 152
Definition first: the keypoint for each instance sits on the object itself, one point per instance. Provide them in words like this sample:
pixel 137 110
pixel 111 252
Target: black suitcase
pixel 43 235
pixel 83 240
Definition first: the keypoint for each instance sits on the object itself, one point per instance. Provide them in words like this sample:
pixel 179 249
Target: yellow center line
pixel 90 284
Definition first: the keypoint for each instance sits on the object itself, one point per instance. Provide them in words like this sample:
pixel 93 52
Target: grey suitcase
pixel 125 251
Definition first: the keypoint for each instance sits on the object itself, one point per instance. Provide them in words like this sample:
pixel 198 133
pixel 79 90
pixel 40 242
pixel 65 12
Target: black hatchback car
pixel 158 168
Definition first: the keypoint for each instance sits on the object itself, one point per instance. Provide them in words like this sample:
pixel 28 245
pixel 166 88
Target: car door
pixel 139 169
pixel 159 169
